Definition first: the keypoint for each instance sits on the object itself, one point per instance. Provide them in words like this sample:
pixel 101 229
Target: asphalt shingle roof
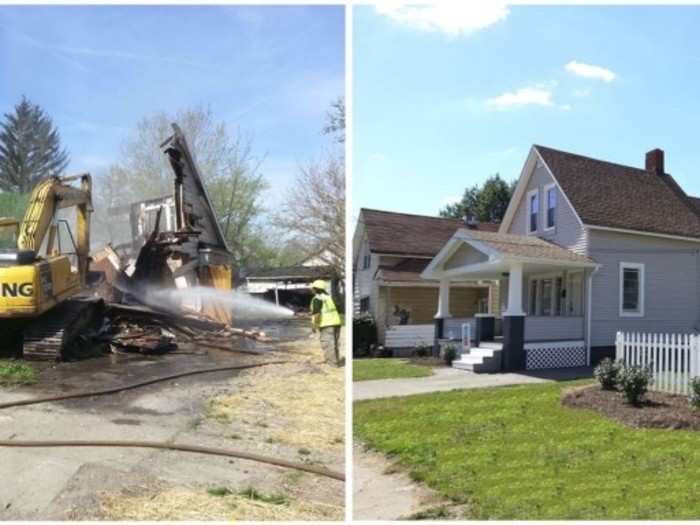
pixel 406 234
pixel 617 196
pixel 526 246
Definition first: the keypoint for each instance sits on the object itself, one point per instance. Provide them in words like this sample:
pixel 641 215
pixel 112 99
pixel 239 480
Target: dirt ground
pixel 383 491
pixel 292 411
pixel 658 410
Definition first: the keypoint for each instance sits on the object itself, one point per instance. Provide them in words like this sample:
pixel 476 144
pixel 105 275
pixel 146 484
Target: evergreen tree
pixel 30 148
pixel 487 203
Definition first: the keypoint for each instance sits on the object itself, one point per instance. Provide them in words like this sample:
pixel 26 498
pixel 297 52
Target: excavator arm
pixel 46 199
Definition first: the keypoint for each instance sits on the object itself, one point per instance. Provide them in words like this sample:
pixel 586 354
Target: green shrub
pixel 607 373
pixel 384 352
pixel 634 382
pixel 364 335
pixel 694 395
pixel 449 354
pixel 422 351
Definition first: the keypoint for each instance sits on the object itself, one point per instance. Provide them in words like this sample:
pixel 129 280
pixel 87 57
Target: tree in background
pixel 487 203
pixel 30 148
pixel 335 120
pixel 228 167
pixel 313 212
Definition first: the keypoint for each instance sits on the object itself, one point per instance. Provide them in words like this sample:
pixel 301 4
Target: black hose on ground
pixel 61 397
pixel 321 471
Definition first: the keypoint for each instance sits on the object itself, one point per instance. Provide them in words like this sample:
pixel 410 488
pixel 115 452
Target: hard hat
pixel 321 285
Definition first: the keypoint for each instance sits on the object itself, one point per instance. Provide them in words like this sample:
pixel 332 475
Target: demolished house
pixel 178 238
pixel 180 246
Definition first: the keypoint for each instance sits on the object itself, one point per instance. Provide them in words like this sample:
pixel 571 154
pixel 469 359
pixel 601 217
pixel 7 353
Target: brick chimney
pixel 655 161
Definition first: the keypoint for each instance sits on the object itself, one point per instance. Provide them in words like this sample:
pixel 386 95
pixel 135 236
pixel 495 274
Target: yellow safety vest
pixel 329 313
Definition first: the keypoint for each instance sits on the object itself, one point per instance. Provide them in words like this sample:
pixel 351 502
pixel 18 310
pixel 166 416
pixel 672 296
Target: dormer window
pixel 533 206
pixel 550 192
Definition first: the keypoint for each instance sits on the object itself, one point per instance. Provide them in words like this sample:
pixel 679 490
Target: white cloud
pixel 590 71
pixel 453 18
pixel 527 96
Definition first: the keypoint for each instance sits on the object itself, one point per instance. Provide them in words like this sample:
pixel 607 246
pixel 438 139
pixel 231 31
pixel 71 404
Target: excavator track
pixel 47 337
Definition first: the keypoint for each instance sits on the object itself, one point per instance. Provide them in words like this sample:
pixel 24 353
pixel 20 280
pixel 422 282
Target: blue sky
pixel 270 71
pixel 443 99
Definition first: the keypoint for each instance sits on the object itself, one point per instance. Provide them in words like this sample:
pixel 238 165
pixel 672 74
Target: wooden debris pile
pixel 145 330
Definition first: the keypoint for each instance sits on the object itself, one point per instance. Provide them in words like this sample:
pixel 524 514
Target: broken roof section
pixel 193 208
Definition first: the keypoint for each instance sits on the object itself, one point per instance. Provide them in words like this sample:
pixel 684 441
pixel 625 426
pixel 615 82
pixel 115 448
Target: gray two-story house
pixel 586 248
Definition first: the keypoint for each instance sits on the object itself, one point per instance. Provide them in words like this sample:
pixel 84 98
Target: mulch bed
pixel 659 410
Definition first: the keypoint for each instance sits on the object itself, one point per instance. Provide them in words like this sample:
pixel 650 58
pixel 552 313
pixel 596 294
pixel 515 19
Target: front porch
pixel 406 305
pixel 544 298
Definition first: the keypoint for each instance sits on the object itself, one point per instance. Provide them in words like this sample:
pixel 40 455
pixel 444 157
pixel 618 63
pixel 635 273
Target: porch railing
pixel 673 359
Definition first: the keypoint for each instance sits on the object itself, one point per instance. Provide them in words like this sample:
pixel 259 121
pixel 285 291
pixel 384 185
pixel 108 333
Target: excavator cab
pixel 38 285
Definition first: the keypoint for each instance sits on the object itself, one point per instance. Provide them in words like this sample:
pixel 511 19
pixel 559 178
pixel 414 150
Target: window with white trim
pixel 550 195
pixel 533 208
pixel 631 289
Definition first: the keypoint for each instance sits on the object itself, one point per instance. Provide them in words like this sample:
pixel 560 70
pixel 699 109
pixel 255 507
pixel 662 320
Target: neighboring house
pixel 291 285
pixel 586 248
pixel 390 252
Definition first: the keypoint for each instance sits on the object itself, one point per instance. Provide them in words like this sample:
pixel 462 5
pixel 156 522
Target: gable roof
pixel 527 246
pixel 616 196
pixel 502 249
pixel 408 234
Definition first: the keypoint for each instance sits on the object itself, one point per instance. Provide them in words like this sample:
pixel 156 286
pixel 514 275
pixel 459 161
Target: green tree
pixel 30 148
pixel 227 164
pixel 487 203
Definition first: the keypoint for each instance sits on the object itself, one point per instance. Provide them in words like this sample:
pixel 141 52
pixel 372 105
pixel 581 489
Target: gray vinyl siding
pixel 540 328
pixel 464 255
pixel 567 230
pixel 671 284
pixel 365 285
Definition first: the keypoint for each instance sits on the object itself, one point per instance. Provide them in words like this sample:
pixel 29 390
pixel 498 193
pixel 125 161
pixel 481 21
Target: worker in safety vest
pixel 325 319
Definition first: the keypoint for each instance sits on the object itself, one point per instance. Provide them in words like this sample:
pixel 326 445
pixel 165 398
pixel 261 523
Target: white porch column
pixel 443 300
pixel 515 290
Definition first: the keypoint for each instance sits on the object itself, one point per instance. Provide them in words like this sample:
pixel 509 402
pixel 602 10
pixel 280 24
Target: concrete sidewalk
pixel 445 379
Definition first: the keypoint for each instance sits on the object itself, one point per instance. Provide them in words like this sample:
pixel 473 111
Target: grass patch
pixel 16 373
pixel 255 495
pixel 219 491
pixel 180 504
pixel 516 453
pixel 388 368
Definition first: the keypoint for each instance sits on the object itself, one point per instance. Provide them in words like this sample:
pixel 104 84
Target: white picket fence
pixel 672 358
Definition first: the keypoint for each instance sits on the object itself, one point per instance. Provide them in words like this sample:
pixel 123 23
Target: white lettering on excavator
pixel 15 289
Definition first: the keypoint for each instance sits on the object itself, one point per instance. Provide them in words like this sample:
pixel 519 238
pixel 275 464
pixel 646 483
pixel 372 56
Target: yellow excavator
pixel 41 311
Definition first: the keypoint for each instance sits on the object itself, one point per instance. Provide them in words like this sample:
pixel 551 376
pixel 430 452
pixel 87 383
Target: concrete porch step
pixel 480 360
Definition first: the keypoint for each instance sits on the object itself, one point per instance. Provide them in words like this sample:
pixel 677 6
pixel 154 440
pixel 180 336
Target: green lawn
pixel 515 453
pixel 387 368
pixel 16 373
